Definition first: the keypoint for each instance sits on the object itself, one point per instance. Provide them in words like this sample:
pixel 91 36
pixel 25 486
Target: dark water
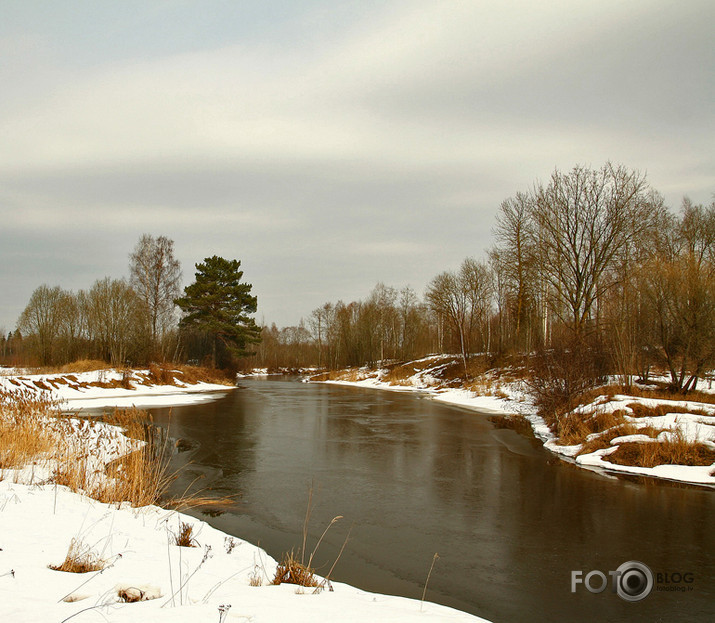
pixel 412 477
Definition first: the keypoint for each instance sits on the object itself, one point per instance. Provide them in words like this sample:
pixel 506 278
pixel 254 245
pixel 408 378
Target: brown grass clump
pixel 399 374
pixel 198 374
pixel 80 559
pixel 676 451
pixel 641 410
pixel 291 571
pixel 161 375
pixel 574 427
pixel 604 440
pixel 256 577
pixel 185 538
pixel 84 365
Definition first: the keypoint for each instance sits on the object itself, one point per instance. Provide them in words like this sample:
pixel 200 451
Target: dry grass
pixel 80 558
pixel 574 427
pixel 603 440
pixel 33 431
pixel 662 393
pixel 185 537
pixel 83 365
pixel 677 451
pixel 291 571
pixel 197 374
pixel 161 375
pixel 24 435
pixel 140 477
pixel 398 375
pixel 349 374
pixel 641 410
pixel 256 577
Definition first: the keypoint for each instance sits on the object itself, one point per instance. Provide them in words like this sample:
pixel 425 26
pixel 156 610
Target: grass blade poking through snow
pixel 424 592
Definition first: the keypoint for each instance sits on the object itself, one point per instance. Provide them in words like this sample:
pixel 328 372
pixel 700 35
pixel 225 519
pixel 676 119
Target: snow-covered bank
pixel 691 422
pixel 509 397
pixel 177 584
pixel 111 388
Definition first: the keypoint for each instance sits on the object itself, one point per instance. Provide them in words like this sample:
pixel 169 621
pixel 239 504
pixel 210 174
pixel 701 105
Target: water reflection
pixel 417 477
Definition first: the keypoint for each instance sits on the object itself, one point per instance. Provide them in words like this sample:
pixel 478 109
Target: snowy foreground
pixel 221 578
pixel 177 584
pixel 509 398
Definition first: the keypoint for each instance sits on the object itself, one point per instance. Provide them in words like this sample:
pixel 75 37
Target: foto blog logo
pixel 632 581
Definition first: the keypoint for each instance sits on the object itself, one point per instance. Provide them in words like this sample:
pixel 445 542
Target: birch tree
pixel 155 275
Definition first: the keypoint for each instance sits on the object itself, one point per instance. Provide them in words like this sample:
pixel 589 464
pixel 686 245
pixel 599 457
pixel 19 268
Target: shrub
pixel 560 377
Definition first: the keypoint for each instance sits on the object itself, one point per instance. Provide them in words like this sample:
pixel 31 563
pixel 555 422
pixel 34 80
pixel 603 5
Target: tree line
pixel 591 263
pixel 135 320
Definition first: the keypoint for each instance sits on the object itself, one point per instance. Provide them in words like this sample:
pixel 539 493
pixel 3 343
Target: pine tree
pixel 218 304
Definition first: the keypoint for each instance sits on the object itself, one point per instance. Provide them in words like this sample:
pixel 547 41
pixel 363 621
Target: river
pixel 411 477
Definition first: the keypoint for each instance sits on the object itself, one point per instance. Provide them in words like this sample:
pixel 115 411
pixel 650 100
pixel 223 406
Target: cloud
pixel 330 146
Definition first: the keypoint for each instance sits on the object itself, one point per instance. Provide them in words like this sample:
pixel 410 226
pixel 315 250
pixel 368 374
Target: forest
pixel 590 267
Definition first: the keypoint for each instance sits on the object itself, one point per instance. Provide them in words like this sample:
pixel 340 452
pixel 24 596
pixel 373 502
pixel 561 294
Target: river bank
pixel 221 578
pixel 93 389
pixel 616 428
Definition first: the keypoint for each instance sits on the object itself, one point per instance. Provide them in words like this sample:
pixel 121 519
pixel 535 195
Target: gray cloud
pixel 327 147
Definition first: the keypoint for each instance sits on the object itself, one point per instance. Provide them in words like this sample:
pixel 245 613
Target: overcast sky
pixel 328 145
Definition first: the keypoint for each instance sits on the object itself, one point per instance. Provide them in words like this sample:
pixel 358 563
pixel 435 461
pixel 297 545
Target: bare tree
pixel 448 298
pixel 382 299
pixel 320 321
pixel 70 323
pixel 115 318
pixel 680 284
pixel 514 261
pixel 477 280
pixel 155 275
pixel 583 221
pixel 40 319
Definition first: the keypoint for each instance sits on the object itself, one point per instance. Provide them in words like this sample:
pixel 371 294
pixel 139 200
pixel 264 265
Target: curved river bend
pixel 412 477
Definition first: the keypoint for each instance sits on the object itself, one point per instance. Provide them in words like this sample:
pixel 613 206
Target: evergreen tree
pixel 218 304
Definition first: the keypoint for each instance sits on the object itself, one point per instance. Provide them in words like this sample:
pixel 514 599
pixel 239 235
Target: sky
pixel 327 145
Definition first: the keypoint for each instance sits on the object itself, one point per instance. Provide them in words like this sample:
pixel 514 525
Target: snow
pixel 210 582
pixel 73 392
pixel 179 584
pixel 511 400
pixel 679 473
